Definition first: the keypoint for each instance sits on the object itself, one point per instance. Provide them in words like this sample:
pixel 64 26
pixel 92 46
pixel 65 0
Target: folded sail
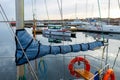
pixel 34 49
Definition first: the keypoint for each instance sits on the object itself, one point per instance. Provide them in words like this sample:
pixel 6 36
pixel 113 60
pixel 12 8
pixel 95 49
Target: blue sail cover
pixel 34 49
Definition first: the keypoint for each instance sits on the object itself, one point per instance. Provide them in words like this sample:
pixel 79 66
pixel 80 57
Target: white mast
pixel 20 25
pixel 19 14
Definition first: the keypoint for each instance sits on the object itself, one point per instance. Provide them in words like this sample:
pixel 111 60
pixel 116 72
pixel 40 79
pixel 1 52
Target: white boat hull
pixel 57 33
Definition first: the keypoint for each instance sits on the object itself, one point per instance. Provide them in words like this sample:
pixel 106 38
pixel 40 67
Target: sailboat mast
pixel 108 12
pixel 20 25
pixel 19 14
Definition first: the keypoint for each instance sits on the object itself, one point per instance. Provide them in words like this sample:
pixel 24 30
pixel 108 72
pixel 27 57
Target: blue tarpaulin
pixel 33 49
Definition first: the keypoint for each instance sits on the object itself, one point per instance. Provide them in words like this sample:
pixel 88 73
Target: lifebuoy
pixel 109 74
pixel 78 59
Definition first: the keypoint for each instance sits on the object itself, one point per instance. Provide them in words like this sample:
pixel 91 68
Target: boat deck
pixel 85 74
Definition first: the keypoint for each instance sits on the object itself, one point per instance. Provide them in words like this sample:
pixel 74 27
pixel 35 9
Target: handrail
pixel 100 71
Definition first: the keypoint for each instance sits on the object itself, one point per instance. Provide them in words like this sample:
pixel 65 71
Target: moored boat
pixel 56 30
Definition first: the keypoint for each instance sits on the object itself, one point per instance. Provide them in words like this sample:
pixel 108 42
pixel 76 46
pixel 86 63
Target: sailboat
pixel 56 30
pixel 29 49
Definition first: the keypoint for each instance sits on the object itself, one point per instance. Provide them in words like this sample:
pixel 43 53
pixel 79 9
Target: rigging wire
pixel 63 36
pixel 108 12
pixel 14 35
pixel 60 10
pixel 86 7
pixel 47 10
pixel 103 52
pixel 34 19
pixel 99 9
pixel 119 4
pixel 106 61
pixel 76 9
pixel 26 57
pixel 100 23
pixel 100 71
pixel 102 57
pixel 2 14
pixel 108 23
pixel 5 17
pixel 116 58
pixel 42 66
pixel 119 47
pixel 34 28
pixel 33 8
pixel 60 5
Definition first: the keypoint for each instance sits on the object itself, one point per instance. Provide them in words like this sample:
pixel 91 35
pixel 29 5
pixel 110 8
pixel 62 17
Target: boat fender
pixel 109 75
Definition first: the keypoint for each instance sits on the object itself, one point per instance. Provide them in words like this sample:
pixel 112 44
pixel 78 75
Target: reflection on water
pixel 62 38
pixel 57 64
pixel 7 50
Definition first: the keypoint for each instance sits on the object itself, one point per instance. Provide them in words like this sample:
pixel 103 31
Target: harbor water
pixel 57 65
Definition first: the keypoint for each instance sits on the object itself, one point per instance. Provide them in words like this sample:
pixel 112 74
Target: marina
pixel 65 49
pixel 74 26
pixel 7 59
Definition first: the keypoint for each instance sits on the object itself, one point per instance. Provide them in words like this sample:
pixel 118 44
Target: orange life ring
pixel 109 74
pixel 78 59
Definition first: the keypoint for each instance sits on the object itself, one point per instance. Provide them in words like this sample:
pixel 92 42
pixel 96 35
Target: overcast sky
pixel 91 10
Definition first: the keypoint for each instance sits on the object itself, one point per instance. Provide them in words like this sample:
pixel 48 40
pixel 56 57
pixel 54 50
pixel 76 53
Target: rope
pixel 14 35
pixel 116 58
pixel 42 69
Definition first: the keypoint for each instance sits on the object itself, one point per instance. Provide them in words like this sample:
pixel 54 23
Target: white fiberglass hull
pixel 57 33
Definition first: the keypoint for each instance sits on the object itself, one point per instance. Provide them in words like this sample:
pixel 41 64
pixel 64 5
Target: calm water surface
pixel 57 65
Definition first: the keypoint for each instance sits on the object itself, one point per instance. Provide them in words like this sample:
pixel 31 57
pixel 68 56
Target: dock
pixel 83 30
pixel 94 31
pixel 44 23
